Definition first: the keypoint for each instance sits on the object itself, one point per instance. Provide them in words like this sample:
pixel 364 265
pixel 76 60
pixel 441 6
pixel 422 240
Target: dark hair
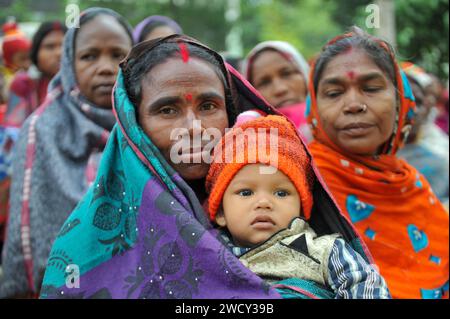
pixel 136 69
pixel 44 29
pixel 361 40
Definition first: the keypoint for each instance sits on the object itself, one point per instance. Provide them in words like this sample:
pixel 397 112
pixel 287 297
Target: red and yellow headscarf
pixel 391 204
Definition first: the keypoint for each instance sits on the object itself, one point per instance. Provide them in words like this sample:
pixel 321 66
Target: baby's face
pixel 256 205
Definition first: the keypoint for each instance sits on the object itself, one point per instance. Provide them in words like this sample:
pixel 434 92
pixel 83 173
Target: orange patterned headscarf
pixel 391 204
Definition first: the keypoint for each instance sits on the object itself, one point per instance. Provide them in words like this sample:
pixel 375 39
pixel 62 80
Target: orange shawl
pixel 391 204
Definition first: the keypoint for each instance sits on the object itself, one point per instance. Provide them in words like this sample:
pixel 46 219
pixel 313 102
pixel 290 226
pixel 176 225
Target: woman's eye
pixel 287 73
pixel 263 83
pixel 49 47
pixel 119 55
pixel 333 94
pixel 372 89
pixel 88 57
pixel 281 193
pixel 168 111
pixel 208 106
pixel 245 193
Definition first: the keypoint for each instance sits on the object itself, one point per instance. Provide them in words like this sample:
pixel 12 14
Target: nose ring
pixel 364 107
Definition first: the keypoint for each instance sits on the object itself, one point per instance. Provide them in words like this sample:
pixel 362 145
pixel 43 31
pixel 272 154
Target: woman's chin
pixel 103 102
pixel 360 150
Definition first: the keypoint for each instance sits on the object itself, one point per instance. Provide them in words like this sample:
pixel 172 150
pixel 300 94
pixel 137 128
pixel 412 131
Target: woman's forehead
pixel 268 56
pixel 100 28
pixel 351 64
pixel 177 69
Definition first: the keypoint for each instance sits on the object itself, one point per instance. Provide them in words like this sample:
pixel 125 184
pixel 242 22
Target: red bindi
pixel 188 97
pixel 351 75
pixel 184 52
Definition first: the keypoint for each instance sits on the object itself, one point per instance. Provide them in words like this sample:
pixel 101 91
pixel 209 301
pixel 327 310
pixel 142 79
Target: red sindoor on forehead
pixel 184 52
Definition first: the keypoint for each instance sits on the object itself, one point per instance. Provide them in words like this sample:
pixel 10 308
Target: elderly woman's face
pixel 100 46
pixel 174 95
pixel 356 103
pixel 277 79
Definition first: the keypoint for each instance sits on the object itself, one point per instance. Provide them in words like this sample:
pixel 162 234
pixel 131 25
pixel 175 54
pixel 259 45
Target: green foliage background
pixel 422 25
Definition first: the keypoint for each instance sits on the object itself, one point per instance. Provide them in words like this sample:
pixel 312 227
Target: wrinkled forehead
pixel 98 29
pixel 350 65
pixel 176 75
pixel 273 53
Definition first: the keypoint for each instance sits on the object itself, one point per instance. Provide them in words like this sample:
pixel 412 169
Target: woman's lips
pixel 104 88
pixel 357 129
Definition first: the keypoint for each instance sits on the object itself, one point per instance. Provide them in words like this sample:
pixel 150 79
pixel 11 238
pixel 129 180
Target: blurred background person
pixel 155 27
pixel 437 96
pixel 60 146
pixel 421 152
pixel 280 73
pixel 16 53
pixel 29 89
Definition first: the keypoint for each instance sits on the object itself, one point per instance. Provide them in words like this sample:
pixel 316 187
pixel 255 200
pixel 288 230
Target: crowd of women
pixel 87 177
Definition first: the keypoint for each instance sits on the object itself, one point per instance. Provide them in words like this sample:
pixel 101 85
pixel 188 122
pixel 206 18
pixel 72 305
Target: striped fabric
pixel 351 277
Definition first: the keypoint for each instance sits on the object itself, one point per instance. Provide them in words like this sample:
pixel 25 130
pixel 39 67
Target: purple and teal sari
pixel 140 231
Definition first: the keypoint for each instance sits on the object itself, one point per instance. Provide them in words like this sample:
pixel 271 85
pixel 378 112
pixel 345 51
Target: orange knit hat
pixel 236 150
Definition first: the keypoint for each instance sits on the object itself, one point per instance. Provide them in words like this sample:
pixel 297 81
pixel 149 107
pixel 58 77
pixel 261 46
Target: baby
pixel 263 212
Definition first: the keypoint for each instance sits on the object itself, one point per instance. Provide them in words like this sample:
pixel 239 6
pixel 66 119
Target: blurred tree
pixel 422 25
pixel 306 24
pixel 349 12
pixel 423 33
pixel 422 30
pixel 201 19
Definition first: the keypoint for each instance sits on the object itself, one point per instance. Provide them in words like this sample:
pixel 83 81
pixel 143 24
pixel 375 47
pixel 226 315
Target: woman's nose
pixel 355 108
pixel 279 86
pixel 107 67
pixel 353 103
pixel 193 123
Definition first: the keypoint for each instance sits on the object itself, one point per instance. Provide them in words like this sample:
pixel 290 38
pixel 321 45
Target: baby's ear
pixel 220 218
